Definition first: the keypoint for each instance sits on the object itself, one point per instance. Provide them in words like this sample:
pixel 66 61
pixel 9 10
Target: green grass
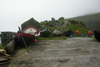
pixel 75 27
pixel 60 21
pixel 52 38
pixel 2 47
pixel 61 29
pixel 52 28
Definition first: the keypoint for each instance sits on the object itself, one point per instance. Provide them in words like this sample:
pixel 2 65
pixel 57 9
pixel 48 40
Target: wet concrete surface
pixel 73 52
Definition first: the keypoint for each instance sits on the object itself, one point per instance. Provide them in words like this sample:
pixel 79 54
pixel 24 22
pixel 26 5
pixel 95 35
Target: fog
pixel 14 12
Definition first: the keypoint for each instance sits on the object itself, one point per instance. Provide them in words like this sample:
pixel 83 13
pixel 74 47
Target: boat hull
pixel 97 35
pixel 45 34
pixel 20 38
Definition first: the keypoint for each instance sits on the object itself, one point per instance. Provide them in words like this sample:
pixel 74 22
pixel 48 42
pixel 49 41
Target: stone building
pixel 6 37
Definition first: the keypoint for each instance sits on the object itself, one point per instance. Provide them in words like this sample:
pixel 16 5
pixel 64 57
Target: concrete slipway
pixel 73 52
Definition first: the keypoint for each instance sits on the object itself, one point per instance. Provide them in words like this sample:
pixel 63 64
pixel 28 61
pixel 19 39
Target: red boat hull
pixel 28 38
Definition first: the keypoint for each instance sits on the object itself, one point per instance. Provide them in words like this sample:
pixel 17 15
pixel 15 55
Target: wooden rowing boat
pixel 26 36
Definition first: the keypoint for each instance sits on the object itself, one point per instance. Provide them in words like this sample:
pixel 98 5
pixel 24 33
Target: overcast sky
pixel 14 12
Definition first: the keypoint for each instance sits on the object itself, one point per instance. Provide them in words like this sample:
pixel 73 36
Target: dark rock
pixel 68 33
pixel 97 35
pixel 61 18
pixel 65 24
pixel 53 19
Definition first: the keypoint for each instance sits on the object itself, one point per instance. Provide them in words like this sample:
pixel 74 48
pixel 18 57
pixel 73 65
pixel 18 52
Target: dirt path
pixel 73 52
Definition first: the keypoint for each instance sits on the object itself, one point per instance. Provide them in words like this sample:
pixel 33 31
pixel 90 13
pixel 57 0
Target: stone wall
pixel 6 37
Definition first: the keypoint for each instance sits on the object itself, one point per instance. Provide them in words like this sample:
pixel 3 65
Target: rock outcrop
pixel 68 33
pixel 65 24
pixel 57 32
pixel 10 46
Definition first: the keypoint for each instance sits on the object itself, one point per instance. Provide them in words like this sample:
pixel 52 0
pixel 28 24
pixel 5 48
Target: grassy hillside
pixel 92 21
pixel 73 25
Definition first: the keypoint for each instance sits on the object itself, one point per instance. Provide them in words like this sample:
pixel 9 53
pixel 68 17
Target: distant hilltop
pixel 92 21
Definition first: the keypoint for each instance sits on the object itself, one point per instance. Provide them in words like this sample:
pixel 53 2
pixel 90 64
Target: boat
pixel 97 35
pixel 45 33
pixel 26 36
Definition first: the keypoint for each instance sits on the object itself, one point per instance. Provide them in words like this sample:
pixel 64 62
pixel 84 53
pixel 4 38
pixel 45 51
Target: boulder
pixel 10 47
pixel 61 18
pixel 65 24
pixel 57 32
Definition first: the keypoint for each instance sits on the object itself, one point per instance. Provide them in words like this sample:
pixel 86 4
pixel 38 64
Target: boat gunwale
pixel 23 34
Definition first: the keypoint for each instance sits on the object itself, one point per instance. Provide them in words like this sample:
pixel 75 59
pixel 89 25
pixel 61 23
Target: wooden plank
pixel 4 61
pixel 2 51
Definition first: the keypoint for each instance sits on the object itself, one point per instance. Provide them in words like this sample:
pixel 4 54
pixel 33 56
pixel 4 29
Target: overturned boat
pixel 97 35
pixel 26 36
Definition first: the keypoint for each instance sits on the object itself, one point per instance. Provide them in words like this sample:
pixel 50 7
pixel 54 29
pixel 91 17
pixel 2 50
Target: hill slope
pixel 92 21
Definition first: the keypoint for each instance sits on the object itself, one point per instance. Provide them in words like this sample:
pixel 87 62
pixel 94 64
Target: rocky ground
pixel 73 52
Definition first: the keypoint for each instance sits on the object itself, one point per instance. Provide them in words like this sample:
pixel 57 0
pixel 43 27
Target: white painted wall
pixel 30 31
